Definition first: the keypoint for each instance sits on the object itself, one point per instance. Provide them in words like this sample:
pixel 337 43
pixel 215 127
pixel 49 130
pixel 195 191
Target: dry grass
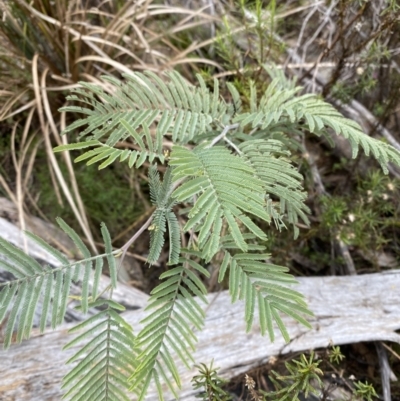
pixel 46 48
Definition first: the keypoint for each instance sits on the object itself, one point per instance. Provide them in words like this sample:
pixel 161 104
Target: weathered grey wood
pixel 49 232
pixel 347 310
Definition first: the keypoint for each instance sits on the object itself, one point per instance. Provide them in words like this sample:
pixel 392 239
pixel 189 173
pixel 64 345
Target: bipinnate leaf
pixel 143 103
pixel 224 189
pixel 228 191
pixel 257 282
pixel 105 361
pixel 160 195
pixel 167 331
pixel 269 159
pixel 282 106
pixel 44 291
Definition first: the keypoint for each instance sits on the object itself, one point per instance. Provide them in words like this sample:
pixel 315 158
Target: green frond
pixel 48 286
pixel 112 266
pixel 279 78
pixel 270 108
pixel 154 184
pixel 62 259
pixel 76 146
pixel 174 238
pixel 281 104
pixel 269 160
pixel 167 331
pixel 257 282
pixel 160 195
pixel 157 231
pixel 224 193
pixel 85 267
pixel 236 99
pixel 108 154
pixel 106 360
pixel 42 290
pixel 318 113
pixel 74 237
pixel 253 97
pixel 97 275
pixel 20 298
pixel 143 104
pixel 22 263
pixel 225 189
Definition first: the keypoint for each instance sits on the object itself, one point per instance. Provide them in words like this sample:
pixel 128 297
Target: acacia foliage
pixel 232 174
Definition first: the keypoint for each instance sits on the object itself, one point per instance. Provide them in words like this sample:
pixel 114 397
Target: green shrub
pixel 229 171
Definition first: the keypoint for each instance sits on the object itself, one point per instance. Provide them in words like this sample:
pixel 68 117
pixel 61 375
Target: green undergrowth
pixel 361 211
pixel 315 376
pixel 109 197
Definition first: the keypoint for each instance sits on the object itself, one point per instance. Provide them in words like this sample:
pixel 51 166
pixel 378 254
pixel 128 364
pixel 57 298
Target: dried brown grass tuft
pixel 47 47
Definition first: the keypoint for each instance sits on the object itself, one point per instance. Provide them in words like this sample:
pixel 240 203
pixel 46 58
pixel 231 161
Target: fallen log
pixel 347 310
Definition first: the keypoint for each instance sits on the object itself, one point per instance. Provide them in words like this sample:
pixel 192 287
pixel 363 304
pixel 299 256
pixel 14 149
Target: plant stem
pixel 222 135
pixel 125 247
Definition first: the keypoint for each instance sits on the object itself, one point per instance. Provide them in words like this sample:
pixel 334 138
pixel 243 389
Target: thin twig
pixel 124 250
pixel 125 247
pixel 394 353
pixel 231 144
pixel 223 134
